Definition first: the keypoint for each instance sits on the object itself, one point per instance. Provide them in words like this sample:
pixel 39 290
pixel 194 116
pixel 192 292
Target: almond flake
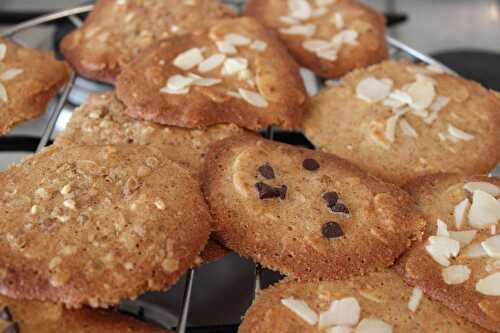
pixel 339 20
pixel 167 90
pixel 422 93
pixel 225 47
pixel 401 96
pixel 343 312
pixel 259 45
pixel 490 285
pixel 319 12
pixel 390 128
pixel 492 246
pixel 3 51
pixel 330 55
pixel 339 329
pixel 459 134
pixel 178 82
pixel 407 129
pixel 211 62
pixel 373 90
pixel 188 59
pixel 234 65
pixel 206 82
pixel 301 309
pixel 463 237
pixel 346 37
pixel 474 251
pixel 304 30
pixel 483 186
pixel 233 94
pixel 442 229
pixel 289 20
pixel 441 249
pixel 253 98
pixel 439 103
pixel 484 211
pixel 160 204
pixel 459 212
pixel 4 98
pixel 455 274
pixel 237 39
pixel 316 45
pixel 493 230
pixel 373 326
pixel 415 299
pixel 11 74
pixel 300 9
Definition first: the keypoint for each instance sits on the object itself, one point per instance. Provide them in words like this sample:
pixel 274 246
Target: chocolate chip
pixel 340 208
pixel 331 230
pixel 266 171
pixel 12 328
pixel 5 314
pixel 310 164
pixel 268 192
pixel 331 198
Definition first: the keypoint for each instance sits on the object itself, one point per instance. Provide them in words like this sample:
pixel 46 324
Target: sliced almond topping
pixel 289 20
pixel 463 237
pixel 442 229
pixel 237 39
pixel 415 299
pixel 253 98
pixel 177 82
pixel 459 212
pixel 301 309
pixel 373 326
pixel 407 129
pixel 474 251
pixel 441 249
pixel 373 90
pixel 492 246
pixel 483 186
pixel 439 104
pixel 346 37
pixel 211 62
pixel 422 93
pixel 11 74
pixel 330 55
pixel 304 30
pixel 490 285
pixel 459 134
pixel 319 12
pixel 4 98
pixel 343 312
pixel 206 82
pixel 484 211
pixel 234 65
pixel 188 59
pixel 225 47
pixel 339 20
pixel 316 45
pixel 493 230
pixel 3 51
pixel 259 45
pixel 390 128
pixel 167 90
pixel 339 329
pixel 455 274
pixel 300 9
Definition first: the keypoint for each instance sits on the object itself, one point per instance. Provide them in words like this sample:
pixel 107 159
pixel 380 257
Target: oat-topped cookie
pixel 330 37
pixel 458 262
pixel 399 120
pixel 118 30
pixel 233 73
pixel 96 224
pixel 305 213
pixel 38 317
pixel 376 303
pixel 29 78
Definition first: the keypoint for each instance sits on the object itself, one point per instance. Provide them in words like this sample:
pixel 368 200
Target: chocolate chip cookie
pixel 97 224
pixel 38 317
pixel 233 73
pixel 399 120
pixel 307 214
pixel 377 303
pixel 29 78
pixel 331 38
pixel 457 263
pixel 102 46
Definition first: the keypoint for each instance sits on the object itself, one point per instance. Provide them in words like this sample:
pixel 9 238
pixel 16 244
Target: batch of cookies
pixel 389 226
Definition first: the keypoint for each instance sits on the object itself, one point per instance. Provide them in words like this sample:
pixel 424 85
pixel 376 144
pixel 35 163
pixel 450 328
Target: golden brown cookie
pixel 38 317
pixel 458 261
pixel 97 224
pixel 118 30
pixel 329 37
pixel 305 213
pixel 29 78
pixel 377 303
pixel 233 73
pixel 399 120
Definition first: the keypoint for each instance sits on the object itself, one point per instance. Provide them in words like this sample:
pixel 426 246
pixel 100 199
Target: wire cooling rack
pixel 397 50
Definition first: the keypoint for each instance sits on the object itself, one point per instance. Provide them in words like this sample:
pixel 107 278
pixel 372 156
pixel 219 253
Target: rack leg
pixel 186 301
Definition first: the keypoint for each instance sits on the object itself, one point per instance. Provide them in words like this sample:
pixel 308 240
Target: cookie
pixel 457 263
pixel 233 73
pixel 377 303
pixel 97 224
pixel 29 78
pixel 307 214
pixel 331 38
pixel 38 317
pixel 101 47
pixel 399 120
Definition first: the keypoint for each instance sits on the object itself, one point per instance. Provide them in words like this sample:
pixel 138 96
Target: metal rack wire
pixel 397 49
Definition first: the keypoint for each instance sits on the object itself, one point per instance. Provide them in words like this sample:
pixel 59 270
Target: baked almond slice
pixel 87 224
pixel 376 303
pixel 233 73
pixel 331 38
pixel 307 214
pixel 461 210
pixel 29 78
